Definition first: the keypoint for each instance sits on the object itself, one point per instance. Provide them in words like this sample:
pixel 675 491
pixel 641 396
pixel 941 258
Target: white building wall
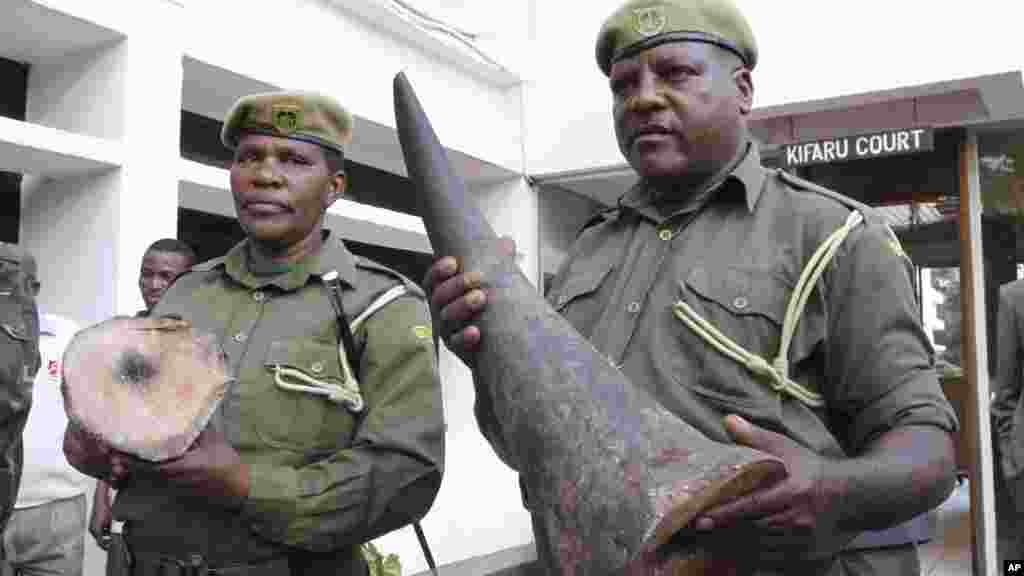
pixel 64 223
pixel 75 92
pixel 355 61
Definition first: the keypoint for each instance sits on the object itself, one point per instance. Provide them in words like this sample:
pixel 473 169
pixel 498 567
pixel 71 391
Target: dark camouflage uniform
pixel 19 361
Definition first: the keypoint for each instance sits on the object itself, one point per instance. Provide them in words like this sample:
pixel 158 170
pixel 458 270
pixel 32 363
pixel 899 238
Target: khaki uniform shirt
pixel 322 478
pixel 19 361
pixel 734 254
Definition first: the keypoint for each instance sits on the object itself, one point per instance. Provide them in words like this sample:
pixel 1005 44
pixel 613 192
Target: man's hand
pixel 210 470
pixel 456 298
pixel 102 518
pixel 795 518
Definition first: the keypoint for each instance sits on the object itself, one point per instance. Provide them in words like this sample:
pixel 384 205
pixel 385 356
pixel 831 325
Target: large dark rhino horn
pixel 614 475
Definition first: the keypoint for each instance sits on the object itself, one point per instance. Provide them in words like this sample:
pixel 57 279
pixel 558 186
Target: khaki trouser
pixel 46 539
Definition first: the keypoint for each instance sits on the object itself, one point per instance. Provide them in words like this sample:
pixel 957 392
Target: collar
pixel 332 255
pixel 748 173
pixel 751 174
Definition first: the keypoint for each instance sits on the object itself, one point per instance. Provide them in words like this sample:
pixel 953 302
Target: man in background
pixel 1007 406
pixel 46 531
pixel 162 263
pixel 19 360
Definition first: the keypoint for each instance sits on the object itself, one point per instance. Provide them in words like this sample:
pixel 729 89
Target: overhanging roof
pixel 979 100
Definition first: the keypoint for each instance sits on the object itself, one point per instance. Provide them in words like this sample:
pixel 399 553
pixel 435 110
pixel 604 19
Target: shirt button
pixel 633 307
pixel 740 303
pixel 259 296
pixel 317 367
pixel 240 337
pixel 665 235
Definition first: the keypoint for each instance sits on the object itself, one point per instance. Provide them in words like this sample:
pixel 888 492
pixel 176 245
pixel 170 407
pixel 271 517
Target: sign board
pixel 876 145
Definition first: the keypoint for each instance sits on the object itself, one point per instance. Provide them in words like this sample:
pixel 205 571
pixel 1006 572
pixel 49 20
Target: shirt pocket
pixel 751 304
pixel 302 420
pixel 748 306
pixel 576 298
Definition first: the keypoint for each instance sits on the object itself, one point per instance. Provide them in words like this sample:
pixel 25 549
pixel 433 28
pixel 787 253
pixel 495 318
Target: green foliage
pixel 381 565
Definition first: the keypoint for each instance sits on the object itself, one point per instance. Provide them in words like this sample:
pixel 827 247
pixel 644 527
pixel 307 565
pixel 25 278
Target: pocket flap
pixel 315 359
pixel 742 291
pixel 581 282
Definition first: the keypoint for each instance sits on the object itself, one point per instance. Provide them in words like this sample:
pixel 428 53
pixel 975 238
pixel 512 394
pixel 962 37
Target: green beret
pixel 305 116
pixel 643 24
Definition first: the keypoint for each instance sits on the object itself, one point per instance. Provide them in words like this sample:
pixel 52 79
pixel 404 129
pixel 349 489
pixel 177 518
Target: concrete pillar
pixel 152 89
pixel 89 231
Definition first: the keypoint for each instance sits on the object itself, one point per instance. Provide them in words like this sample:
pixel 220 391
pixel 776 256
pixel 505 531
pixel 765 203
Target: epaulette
pixel 207 265
pixel 394 275
pixel 204 270
pixel 869 214
pixel 846 201
pixel 602 216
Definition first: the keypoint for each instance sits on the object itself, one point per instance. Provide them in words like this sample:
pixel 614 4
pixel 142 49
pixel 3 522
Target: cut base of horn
pixel 145 386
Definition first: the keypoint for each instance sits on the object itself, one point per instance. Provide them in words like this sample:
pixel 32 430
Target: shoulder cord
pixel 347 392
pixel 777 372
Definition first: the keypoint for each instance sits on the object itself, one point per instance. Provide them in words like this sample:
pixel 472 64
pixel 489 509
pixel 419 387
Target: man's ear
pixel 335 188
pixel 744 89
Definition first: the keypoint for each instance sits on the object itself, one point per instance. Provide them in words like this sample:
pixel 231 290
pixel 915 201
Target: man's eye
pixel 676 72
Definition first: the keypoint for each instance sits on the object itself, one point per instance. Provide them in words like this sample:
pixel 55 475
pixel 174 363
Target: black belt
pixel 196 565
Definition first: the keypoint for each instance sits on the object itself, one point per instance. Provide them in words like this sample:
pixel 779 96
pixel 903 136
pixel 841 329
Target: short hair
pixel 174 246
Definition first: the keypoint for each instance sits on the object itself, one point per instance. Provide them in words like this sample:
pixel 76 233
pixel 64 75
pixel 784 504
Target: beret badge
pixel 649 21
pixel 286 118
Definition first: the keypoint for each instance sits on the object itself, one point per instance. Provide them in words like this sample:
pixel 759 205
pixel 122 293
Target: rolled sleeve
pixel 879 357
pixel 389 474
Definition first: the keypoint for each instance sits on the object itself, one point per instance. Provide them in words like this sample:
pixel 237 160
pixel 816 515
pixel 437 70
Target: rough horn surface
pixel 146 386
pixel 615 475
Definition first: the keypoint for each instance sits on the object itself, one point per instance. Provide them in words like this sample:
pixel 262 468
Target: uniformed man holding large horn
pixel 759 307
